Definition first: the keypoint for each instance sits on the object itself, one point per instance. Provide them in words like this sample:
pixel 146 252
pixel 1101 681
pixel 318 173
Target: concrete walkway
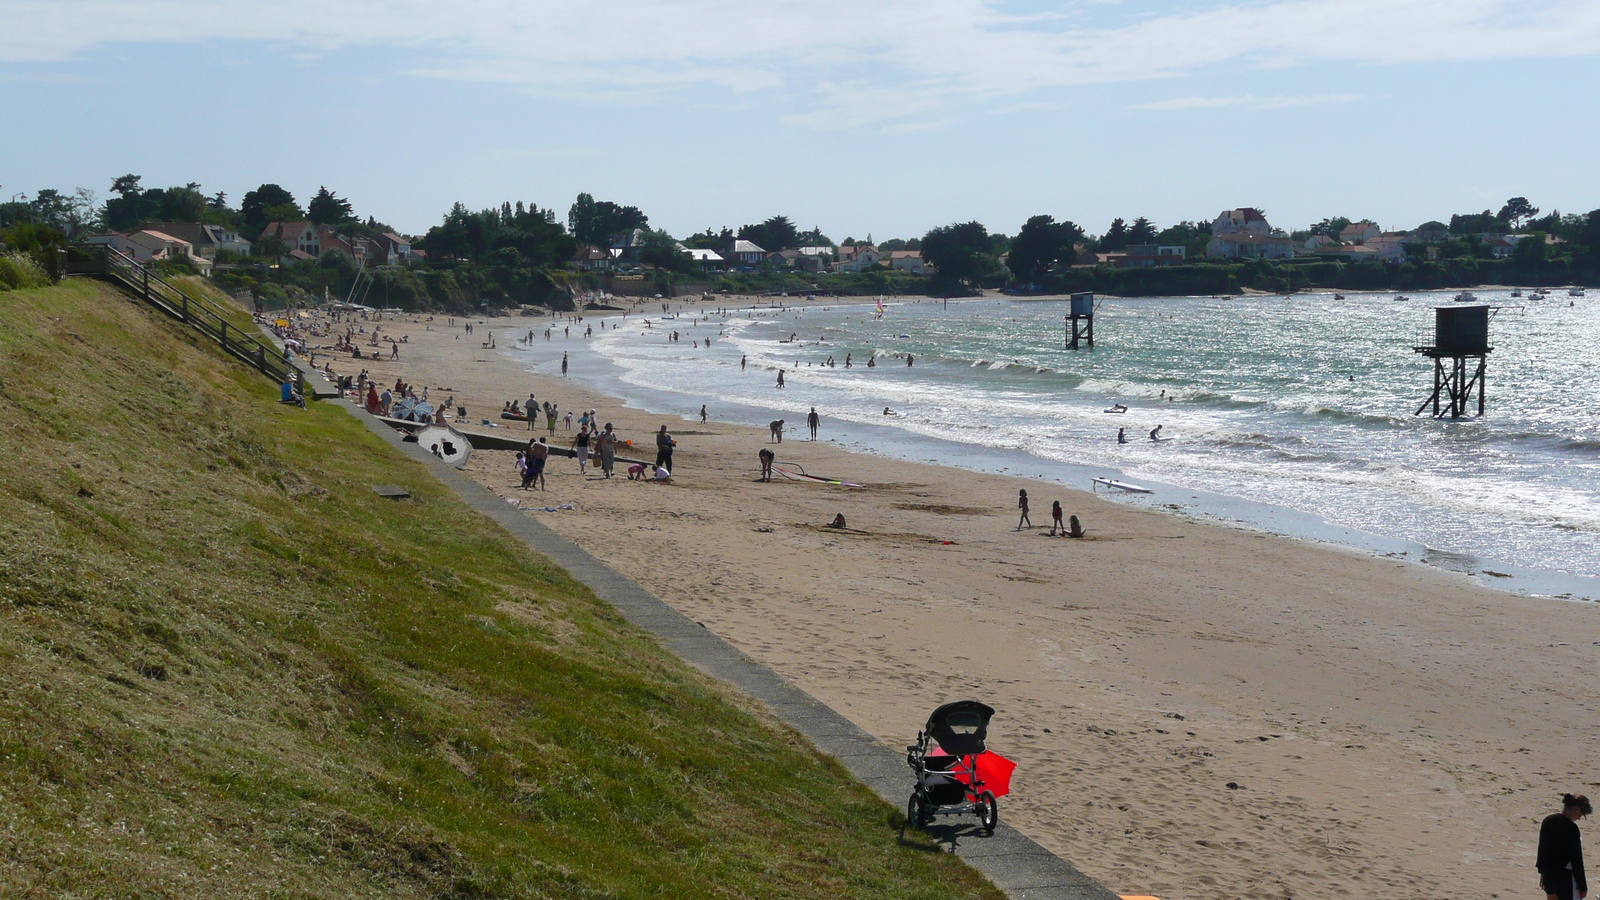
pixel 1013 862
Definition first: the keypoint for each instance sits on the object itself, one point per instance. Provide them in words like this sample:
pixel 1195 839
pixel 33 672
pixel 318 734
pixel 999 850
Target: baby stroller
pixel 956 772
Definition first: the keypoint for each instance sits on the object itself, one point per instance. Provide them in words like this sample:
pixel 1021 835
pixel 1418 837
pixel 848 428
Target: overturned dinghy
pixel 444 442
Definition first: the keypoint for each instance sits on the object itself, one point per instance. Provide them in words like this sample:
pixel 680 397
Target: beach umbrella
pixel 412 410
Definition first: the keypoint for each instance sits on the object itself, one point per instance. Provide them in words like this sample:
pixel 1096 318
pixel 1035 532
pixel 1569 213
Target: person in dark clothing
pixel 1560 860
pixel 664 445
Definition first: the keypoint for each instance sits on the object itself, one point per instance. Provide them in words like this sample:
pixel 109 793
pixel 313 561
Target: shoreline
pixel 1169 499
pixel 1356 702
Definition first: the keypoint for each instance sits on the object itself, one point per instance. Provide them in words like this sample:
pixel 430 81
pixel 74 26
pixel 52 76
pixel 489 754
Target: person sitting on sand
pixel 663 475
pixel 767 457
pixel 1075 528
pixel 838 522
pixel 1055 518
pixel 1022 504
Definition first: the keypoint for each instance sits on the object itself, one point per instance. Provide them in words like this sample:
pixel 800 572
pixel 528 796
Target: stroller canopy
pixel 961 727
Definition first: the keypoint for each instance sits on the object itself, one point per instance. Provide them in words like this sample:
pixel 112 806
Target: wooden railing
pixel 200 314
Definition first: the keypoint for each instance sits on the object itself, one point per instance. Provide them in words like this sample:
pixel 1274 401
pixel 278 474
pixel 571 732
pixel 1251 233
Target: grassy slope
pixel 234 671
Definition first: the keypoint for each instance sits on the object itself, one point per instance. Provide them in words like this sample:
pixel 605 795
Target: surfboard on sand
pixel 1119 485
pixel 802 476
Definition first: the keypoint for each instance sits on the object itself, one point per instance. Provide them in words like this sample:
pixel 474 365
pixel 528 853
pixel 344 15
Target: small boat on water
pixel 1517 292
pixel 1401 298
pixel 1338 296
pixel 1575 292
pixel 1465 297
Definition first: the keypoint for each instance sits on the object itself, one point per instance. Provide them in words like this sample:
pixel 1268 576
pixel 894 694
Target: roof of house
pixel 391 236
pixel 286 229
pixel 904 254
pixel 150 238
pixel 192 232
pixel 703 255
pixel 1356 228
pixel 300 254
pixel 747 247
pixel 1245 213
pixel 815 251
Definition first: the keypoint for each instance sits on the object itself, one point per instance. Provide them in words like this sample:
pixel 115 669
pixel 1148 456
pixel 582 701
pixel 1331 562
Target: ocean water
pixel 1303 402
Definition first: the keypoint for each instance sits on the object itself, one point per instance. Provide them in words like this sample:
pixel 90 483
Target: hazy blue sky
pixel 885 117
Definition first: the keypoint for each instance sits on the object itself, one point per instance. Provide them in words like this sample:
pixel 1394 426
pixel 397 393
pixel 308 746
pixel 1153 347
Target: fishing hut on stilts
pixel 1080 322
pixel 1460 352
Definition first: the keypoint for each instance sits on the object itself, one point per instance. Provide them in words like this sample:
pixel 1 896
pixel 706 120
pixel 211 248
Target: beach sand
pixel 1197 711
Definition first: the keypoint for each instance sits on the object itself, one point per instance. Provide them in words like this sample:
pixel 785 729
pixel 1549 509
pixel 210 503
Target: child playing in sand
pixel 636 472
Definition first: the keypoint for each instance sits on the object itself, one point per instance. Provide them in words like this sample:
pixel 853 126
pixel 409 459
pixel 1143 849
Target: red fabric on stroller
pixel 994 771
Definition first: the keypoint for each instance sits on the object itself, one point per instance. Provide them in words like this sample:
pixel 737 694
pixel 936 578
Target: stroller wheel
pixel 916 811
pixel 988 812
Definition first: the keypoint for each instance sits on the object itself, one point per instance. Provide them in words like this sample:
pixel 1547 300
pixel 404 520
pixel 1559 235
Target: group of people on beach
pixel 1072 528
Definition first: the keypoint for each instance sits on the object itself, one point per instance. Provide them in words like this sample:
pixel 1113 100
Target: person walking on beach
pixel 664 445
pixel 563 364
pixel 813 421
pixel 1055 519
pixel 608 450
pixel 1560 860
pixel 580 448
pixel 538 455
pixel 1022 504
pixel 780 378
pixel 702 412
pixel 532 411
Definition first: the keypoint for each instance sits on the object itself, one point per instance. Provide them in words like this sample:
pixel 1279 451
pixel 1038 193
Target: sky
pixel 880 117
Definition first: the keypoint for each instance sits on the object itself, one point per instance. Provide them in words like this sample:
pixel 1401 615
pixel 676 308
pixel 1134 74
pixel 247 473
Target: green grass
pixel 234 671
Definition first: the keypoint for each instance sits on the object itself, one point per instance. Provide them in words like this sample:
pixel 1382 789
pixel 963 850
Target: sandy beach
pixel 1197 711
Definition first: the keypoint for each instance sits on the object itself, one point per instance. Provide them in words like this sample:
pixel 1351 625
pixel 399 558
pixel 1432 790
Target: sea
pixel 1291 414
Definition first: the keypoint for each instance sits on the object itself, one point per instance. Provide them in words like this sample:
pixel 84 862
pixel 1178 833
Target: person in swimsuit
pixel 1022 504
pixel 1055 518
